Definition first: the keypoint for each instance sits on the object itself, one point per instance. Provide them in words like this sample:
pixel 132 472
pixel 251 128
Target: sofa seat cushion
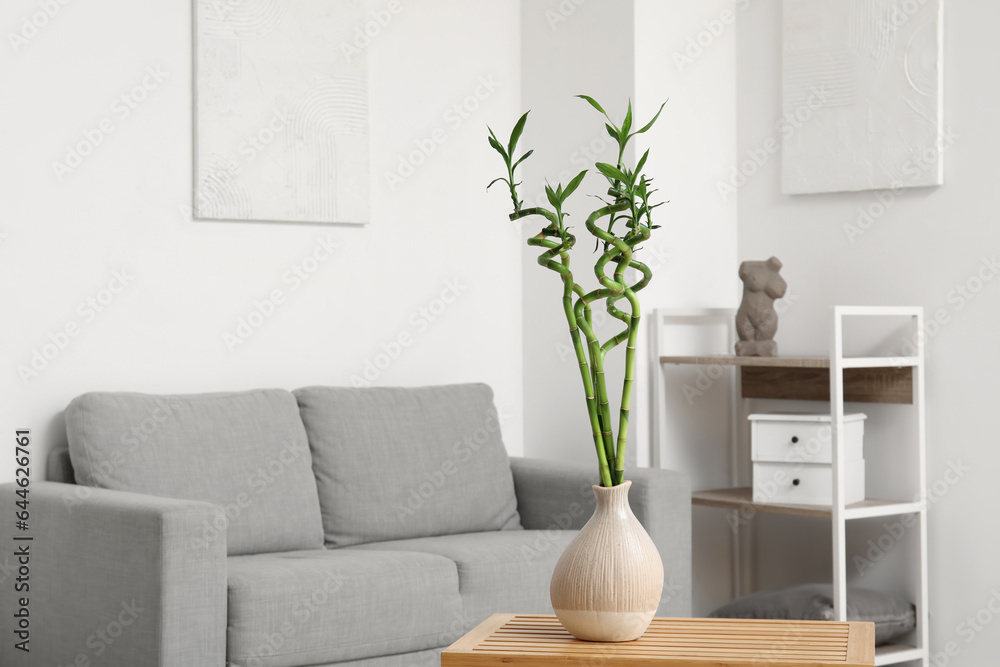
pixel 431 658
pixel 245 451
pixel 317 607
pixel 394 463
pixel 498 572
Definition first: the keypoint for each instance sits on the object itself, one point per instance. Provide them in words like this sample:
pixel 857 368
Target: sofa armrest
pixel 552 494
pixel 115 579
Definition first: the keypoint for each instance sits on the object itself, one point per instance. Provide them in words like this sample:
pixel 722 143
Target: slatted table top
pixel 528 639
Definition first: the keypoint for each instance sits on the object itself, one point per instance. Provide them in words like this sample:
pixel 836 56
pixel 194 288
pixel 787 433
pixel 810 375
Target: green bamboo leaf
pixel 523 157
pixel 516 132
pixel 594 104
pixel 499 149
pixel 574 184
pixel 627 123
pixel 609 171
pixel 642 162
pixel 497 179
pixel 629 177
pixel 553 199
pixel 496 143
pixel 613 131
pixel 650 123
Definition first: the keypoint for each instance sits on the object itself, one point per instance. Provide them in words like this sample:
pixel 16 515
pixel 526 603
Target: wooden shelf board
pixel 808 378
pixel 789 362
pixel 890 654
pixel 732 360
pixel 880 362
pixel 742 497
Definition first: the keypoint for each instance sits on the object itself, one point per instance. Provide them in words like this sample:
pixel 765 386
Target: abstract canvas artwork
pixel 861 95
pixel 281 111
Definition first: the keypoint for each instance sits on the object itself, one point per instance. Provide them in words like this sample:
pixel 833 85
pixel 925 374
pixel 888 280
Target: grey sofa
pixel 270 529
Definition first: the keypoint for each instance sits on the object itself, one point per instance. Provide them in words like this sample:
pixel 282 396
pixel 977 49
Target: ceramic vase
pixel 607 584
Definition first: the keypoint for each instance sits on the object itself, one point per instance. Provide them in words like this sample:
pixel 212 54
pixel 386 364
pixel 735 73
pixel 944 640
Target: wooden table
pixel 526 639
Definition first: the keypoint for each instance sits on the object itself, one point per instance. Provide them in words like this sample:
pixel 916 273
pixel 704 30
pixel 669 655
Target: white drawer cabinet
pixel 805 438
pixel 793 454
pixel 805 483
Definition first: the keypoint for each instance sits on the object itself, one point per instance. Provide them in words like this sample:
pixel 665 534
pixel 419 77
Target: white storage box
pixel 793 455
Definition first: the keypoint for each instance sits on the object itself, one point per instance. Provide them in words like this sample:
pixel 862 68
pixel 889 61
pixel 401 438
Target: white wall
pixel 124 209
pixel 567 49
pixel 928 242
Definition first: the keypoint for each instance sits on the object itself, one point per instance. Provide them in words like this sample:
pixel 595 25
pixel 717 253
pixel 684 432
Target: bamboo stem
pixel 630 191
pixel 599 423
pixel 633 333
pixel 597 370
pixel 596 426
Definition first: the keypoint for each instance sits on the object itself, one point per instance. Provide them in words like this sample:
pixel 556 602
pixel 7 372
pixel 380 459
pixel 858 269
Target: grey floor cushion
pixel 246 451
pixel 892 616
pixel 328 606
pixel 395 463
pixel 498 571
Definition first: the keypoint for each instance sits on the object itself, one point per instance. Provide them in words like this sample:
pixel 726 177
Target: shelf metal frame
pixel 838 513
pixel 841 513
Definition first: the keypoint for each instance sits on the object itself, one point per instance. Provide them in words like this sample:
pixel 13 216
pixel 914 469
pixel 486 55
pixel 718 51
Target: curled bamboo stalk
pixel 548 260
pixel 629 191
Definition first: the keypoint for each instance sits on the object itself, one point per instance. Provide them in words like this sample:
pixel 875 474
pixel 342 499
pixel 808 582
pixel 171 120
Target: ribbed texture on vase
pixel 608 582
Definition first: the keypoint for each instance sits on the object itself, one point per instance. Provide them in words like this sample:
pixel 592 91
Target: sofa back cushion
pixel 394 463
pixel 245 451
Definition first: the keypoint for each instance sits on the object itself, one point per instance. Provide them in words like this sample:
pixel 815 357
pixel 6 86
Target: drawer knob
pixel 796 481
pixel 795 439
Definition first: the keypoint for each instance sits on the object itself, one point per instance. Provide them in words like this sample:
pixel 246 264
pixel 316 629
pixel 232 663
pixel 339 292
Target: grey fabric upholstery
pixel 101 555
pixel 312 607
pixel 499 571
pixel 59 467
pixel 245 451
pixel 395 463
pixel 115 579
pixel 552 494
pixel 431 658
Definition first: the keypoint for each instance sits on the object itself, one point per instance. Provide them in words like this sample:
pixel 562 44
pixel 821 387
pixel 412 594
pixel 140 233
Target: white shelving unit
pixel 835 378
